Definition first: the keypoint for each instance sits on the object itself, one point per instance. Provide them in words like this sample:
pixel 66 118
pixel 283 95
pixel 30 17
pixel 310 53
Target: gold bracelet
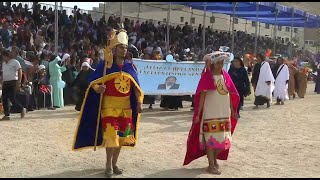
pixel 140 99
pixel 95 87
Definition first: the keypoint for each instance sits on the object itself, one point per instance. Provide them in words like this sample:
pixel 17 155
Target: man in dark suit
pixel 169 84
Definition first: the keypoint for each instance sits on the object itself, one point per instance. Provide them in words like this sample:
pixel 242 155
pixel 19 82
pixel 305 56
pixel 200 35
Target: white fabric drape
pixel 263 89
pixel 281 86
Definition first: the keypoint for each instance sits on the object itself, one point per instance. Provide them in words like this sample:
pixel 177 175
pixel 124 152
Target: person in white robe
pixel 265 83
pixel 281 82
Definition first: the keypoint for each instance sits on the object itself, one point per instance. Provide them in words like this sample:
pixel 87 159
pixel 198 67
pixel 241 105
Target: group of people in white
pixel 268 85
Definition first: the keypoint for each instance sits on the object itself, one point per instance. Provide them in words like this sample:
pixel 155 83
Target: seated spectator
pixel 23 95
pixel 157 54
pixel 42 90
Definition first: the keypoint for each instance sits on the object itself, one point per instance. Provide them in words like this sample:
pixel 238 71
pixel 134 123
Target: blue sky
pixel 81 5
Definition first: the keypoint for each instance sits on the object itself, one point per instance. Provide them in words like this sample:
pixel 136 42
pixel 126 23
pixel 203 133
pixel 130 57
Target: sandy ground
pixel 282 141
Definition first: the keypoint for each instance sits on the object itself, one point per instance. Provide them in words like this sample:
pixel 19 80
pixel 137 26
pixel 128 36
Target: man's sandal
pixel 108 173
pixel 117 170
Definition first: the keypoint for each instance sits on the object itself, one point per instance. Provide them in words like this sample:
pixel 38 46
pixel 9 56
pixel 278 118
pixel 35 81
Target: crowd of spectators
pixel 31 31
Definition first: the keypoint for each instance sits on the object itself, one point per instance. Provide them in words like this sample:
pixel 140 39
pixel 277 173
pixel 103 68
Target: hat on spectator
pixel 9 49
pixel 148 50
pixel 88 60
pixel 158 49
pixel 41 67
pixel 86 64
pixel 65 56
pixel 23 47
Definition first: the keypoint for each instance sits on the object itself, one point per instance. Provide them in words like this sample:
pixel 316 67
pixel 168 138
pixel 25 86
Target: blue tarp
pixel 266 13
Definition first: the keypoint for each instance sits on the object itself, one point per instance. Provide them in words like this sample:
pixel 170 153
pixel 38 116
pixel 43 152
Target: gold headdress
pixel 117 37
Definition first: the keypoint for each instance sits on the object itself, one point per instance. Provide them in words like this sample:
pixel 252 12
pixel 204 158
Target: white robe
pixel 281 85
pixel 263 89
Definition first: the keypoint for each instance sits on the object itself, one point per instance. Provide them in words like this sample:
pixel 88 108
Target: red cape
pixel 193 144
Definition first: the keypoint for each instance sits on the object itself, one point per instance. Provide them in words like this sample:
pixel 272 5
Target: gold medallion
pixel 122 84
pixel 220 88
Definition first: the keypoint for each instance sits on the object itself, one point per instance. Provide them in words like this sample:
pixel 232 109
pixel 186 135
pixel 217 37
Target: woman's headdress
pixel 217 56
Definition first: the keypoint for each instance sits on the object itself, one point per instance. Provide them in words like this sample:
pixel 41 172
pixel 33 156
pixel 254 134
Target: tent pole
pixel 291 34
pixel 204 29
pixel 104 10
pixel 304 27
pixel 245 26
pixel 234 14
pixel 256 38
pixel 318 19
pixel 212 22
pixel 191 17
pixel 259 28
pixel 139 10
pixel 56 29
pixel 275 32
pixel 121 12
pixel 168 28
pixel 60 15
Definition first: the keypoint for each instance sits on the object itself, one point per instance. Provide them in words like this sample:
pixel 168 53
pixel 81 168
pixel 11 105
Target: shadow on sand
pixel 178 173
pixel 88 173
pixel 99 173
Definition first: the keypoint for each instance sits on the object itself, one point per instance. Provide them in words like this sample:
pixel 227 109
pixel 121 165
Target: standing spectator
pixel 55 72
pixel 68 77
pixel 5 35
pixel 12 75
pixel 317 78
pixel 44 59
pixel 240 79
pixel 81 82
pixel 132 48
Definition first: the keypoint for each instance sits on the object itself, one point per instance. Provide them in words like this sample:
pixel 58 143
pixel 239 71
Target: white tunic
pixel 263 89
pixel 281 85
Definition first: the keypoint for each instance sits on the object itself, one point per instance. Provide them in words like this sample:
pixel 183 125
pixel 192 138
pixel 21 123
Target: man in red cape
pixel 193 144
